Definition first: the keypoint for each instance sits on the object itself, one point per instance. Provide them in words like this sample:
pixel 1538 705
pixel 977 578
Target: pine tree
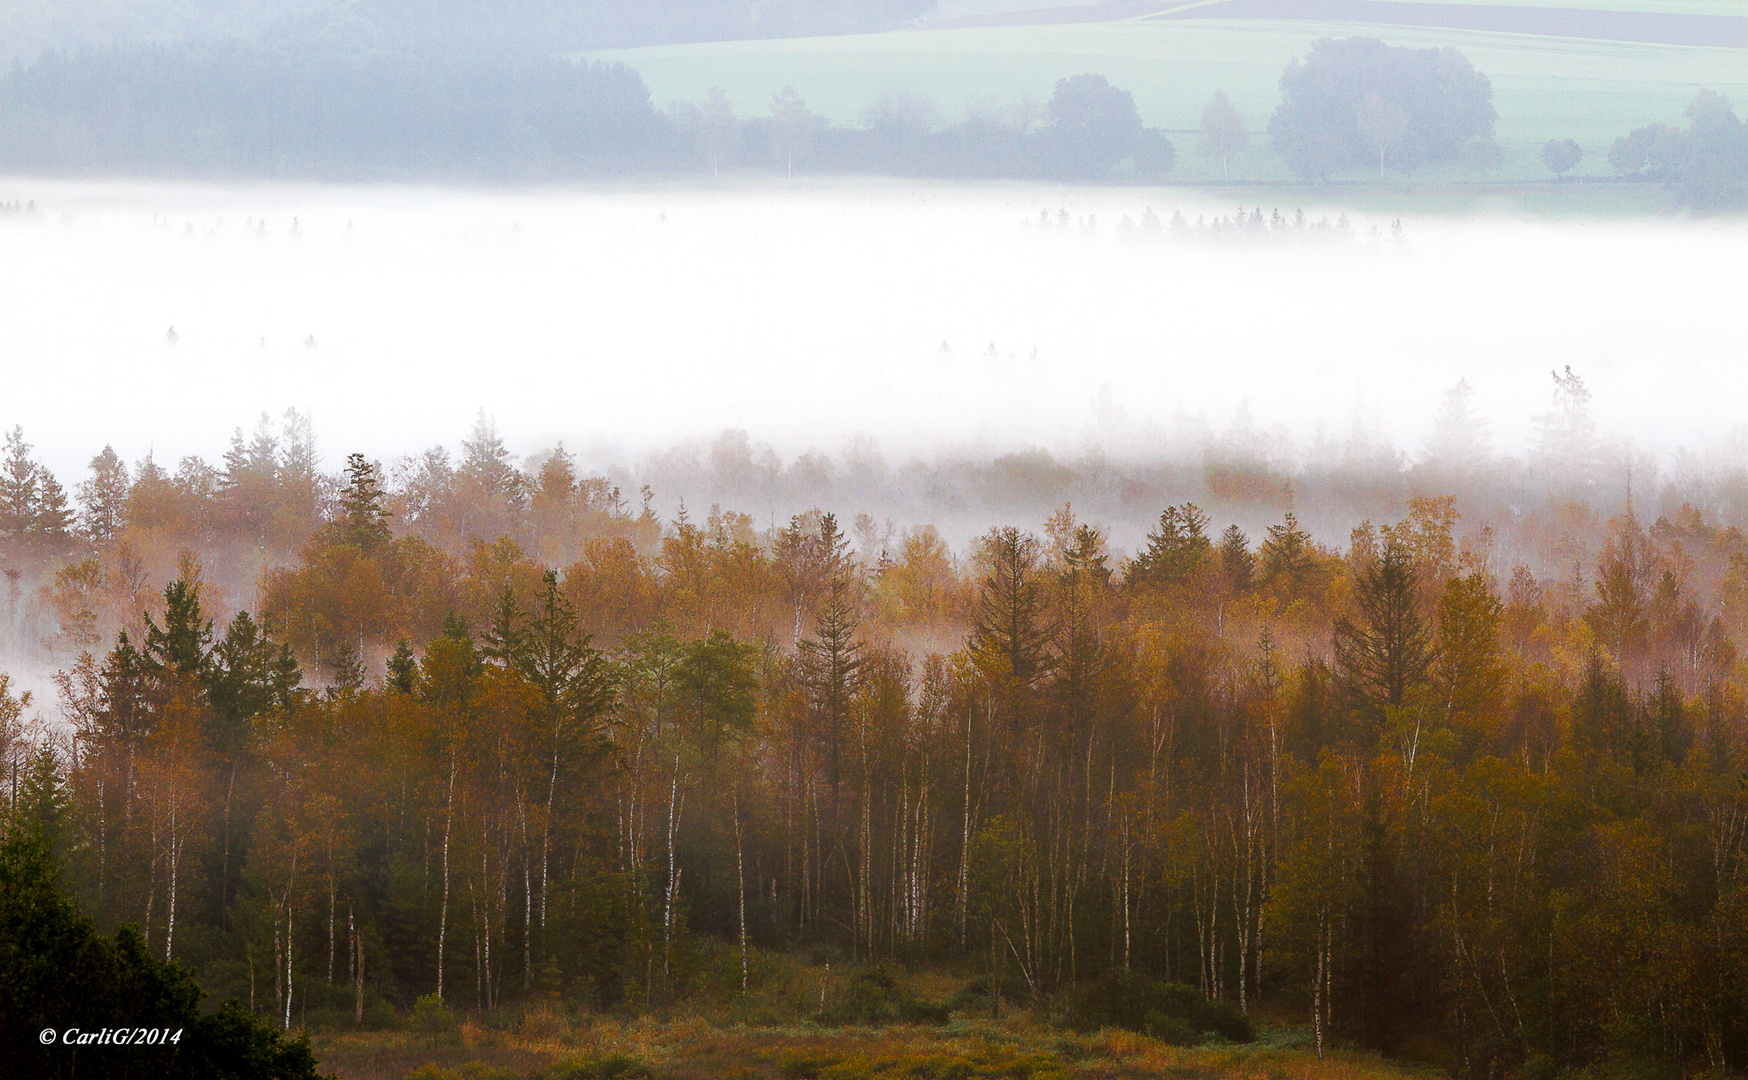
pixel 1237 564
pixel 504 639
pixel 485 462
pixel 1177 550
pixel 363 517
pixel 104 497
pixel 831 666
pixel 183 644
pixel 575 680
pixel 18 487
pixel 1010 636
pixel 1388 654
pixel 53 521
pixel 403 669
pixel 43 800
pixel 1286 557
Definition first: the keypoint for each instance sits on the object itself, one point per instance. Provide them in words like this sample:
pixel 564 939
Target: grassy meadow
pixel 772 1035
pixel 694 1049
pixel 1544 88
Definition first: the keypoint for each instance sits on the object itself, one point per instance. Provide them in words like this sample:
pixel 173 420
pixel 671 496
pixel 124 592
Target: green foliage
pixel 431 1017
pixel 183 642
pixel 1358 102
pixel 1092 126
pixel 42 802
pixel 816 1064
pixel 876 996
pixel 605 1067
pixel 1171 1012
pixel 363 517
pixel 57 972
pixel 1561 155
pixel 1177 550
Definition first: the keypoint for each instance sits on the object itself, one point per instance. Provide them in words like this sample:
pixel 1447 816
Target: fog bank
pixel 924 317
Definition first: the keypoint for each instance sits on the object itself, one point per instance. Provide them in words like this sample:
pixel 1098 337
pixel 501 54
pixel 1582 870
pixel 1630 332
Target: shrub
pixel 1170 1012
pixel 806 1064
pixel 608 1067
pixel 430 1017
pixel 874 995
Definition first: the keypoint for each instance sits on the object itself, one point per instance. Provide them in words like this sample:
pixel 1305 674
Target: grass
pixel 1544 88
pixel 771 1034
pixel 695 1049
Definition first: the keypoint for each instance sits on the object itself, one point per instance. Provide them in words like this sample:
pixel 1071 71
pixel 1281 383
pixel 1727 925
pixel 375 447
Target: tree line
pixel 1390 788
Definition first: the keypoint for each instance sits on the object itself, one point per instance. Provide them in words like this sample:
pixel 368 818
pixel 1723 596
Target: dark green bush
pixel 608 1067
pixel 1170 1012
pixel 874 995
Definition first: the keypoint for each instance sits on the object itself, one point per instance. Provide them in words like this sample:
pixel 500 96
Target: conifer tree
pixel 52 523
pixel 403 668
pixel 184 642
pixel 1177 549
pixel 104 497
pixel 363 516
pixel 1385 656
pixel 1237 564
pixel 18 487
pixel 831 665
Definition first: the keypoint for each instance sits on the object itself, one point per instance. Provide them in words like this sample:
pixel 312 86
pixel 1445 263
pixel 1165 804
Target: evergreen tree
pixel 184 642
pixel 57 972
pixel 575 681
pixel 1387 655
pixel 363 516
pixel 486 463
pixel 104 497
pixel 831 668
pixel 1286 557
pixel 1011 633
pixel 18 487
pixel 403 669
pixel 53 520
pixel 42 798
pixel 250 674
pixel 1237 564
pixel 504 639
pixel 1177 549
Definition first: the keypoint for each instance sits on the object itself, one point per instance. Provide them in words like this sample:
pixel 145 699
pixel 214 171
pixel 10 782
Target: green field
pixel 1544 87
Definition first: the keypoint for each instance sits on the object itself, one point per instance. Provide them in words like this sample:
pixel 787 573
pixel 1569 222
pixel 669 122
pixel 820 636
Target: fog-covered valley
pixel 929 319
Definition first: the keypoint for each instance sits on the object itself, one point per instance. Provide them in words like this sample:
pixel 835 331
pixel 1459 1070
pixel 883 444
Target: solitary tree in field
pixel 792 127
pixel 1223 131
pixel 1092 125
pixel 716 127
pixel 1561 155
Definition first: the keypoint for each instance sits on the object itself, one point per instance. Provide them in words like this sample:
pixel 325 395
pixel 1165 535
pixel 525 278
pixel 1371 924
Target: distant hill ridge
pixel 1651 27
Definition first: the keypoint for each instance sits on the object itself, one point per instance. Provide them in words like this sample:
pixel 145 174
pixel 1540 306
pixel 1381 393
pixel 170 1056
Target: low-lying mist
pixel 982 319
pixel 903 355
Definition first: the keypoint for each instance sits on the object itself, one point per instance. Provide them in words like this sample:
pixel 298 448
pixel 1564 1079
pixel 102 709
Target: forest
pixel 463 736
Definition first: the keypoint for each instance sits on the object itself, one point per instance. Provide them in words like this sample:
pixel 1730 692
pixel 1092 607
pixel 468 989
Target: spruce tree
pixel 18 487
pixel 183 644
pixel 363 517
pixel 104 497
pixel 52 522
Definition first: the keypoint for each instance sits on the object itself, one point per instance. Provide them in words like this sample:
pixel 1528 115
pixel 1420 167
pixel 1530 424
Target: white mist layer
pixel 623 320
